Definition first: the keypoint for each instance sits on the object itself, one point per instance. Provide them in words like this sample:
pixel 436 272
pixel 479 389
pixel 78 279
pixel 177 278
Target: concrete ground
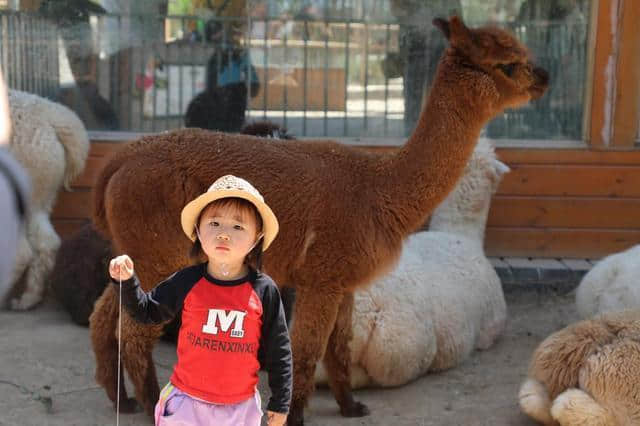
pixel 47 369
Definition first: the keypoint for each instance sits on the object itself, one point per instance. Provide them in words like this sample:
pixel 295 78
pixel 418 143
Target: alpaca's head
pixel 465 209
pixel 498 63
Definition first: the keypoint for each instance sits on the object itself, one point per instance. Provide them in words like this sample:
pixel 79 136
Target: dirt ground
pixel 47 368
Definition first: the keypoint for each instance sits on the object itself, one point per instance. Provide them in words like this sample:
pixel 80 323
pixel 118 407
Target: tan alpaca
pixel 343 212
pixel 587 374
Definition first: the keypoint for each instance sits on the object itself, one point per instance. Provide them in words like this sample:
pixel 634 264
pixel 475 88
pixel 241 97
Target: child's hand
pixel 121 268
pixel 276 419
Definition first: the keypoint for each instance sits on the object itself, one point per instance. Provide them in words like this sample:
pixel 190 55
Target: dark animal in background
pixel 81 272
pixel 223 104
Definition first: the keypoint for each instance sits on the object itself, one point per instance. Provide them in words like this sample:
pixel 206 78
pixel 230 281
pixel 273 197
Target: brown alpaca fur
pixel 587 374
pixel 343 212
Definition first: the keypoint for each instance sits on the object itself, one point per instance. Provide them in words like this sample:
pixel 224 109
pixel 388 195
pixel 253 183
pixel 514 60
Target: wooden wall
pixel 554 203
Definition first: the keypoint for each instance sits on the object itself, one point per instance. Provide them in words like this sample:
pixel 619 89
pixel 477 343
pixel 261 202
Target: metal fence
pixel 29 53
pixel 326 77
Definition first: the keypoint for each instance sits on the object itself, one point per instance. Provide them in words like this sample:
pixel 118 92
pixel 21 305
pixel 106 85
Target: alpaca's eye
pixel 507 69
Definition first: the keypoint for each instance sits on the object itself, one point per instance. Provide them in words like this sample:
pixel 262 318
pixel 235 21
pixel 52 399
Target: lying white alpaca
pixel 611 285
pixel 442 300
pixel 52 144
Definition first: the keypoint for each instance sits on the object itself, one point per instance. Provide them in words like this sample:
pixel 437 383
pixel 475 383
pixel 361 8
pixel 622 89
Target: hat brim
pixel 192 210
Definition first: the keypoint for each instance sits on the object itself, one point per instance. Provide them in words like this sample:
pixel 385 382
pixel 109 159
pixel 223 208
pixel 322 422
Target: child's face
pixel 226 234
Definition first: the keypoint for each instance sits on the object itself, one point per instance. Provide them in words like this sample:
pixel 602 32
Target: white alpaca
pixel 611 285
pixel 443 299
pixel 52 144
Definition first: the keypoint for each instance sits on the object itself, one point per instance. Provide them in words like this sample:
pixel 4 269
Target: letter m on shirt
pixel 221 319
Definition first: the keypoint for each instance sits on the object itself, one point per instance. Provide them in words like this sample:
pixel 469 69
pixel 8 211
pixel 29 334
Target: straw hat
pixel 226 187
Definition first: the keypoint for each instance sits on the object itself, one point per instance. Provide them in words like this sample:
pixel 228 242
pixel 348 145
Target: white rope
pixel 119 345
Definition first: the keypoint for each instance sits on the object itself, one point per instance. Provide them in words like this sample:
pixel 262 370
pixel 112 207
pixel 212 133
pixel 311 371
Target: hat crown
pixel 234 183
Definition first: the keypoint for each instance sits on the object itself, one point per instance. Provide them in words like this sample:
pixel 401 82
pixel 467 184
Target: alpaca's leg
pixel 535 402
pixel 103 326
pixel 137 357
pixel 314 317
pixel 45 243
pixel 337 360
pixel 574 407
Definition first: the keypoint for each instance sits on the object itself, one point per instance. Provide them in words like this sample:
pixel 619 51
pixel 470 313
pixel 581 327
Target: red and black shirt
pixel 229 330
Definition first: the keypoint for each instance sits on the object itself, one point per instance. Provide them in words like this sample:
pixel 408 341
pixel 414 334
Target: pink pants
pixel 176 408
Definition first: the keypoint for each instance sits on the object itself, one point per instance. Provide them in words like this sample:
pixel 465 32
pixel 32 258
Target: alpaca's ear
pixel 458 30
pixel 496 172
pixel 455 31
pixel 501 168
pixel 443 25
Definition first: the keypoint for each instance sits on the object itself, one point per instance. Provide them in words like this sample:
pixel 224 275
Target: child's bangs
pixel 237 206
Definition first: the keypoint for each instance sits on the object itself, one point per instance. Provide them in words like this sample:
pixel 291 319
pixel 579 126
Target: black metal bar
pixel 386 83
pixel 325 121
pixel 284 75
pixel 142 75
pixel 305 55
pixel 346 78
pixel 265 84
pixel 366 77
pixel 180 78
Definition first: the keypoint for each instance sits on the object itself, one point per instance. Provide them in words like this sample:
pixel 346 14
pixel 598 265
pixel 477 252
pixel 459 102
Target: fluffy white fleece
pixel 50 141
pixel 442 300
pixel 613 284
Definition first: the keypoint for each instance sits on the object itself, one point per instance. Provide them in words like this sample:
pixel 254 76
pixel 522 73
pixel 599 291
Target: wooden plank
pixel 99 148
pixel 567 156
pixel 556 242
pixel 627 107
pixel 73 205
pixel 570 180
pixel 512 155
pixel 561 212
pixel 92 168
pixel 603 90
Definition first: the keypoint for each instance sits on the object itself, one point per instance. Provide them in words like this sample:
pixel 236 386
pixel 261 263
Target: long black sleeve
pixel 163 301
pixel 276 345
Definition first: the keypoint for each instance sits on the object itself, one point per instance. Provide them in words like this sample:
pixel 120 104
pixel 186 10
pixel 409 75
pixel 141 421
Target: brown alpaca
pixel 587 374
pixel 343 212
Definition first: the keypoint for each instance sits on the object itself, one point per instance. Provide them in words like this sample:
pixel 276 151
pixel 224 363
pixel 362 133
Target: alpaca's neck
pixel 449 218
pixel 416 179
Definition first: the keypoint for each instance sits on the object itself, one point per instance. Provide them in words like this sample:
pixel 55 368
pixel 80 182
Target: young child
pixel 232 318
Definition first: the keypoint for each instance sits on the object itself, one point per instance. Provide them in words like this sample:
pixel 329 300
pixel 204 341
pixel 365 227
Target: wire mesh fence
pixel 317 77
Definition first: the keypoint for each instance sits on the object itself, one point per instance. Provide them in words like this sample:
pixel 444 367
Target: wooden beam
pixel 29 5
pixel 602 91
pixel 627 107
pixel 615 110
pixel 564 212
pixel 572 181
pixel 558 242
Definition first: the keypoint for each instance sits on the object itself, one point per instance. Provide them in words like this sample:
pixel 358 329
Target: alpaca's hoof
pixel 357 409
pixel 25 302
pixel 128 406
